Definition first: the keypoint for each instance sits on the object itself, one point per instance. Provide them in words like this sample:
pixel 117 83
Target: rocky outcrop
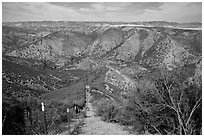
pixel 118 79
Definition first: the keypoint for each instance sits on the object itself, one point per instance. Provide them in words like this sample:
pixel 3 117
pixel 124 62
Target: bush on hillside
pixel 173 107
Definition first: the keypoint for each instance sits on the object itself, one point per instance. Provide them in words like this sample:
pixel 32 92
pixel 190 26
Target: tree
pixel 181 97
pixel 173 107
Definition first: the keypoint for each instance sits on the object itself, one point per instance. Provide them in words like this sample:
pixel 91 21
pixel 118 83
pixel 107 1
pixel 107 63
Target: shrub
pixel 173 107
pixel 26 117
pixel 107 109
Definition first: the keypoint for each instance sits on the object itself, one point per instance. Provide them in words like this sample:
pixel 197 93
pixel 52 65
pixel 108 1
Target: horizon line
pixel 100 21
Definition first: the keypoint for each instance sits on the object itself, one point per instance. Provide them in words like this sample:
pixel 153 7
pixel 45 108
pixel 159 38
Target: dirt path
pixel 95 126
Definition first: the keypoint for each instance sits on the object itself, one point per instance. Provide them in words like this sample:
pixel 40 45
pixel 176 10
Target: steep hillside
pixel 53 47
pixel 106 41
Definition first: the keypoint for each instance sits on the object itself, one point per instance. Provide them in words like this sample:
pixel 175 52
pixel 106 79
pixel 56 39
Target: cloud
pixel 73 5
pixel 102 11
pixel 104 7
pixel 85 10
pixel 93 6
pixel 175 12
pixel 37 11
pixel 109 6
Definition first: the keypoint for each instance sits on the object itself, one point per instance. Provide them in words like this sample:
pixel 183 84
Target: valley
pixel 145 77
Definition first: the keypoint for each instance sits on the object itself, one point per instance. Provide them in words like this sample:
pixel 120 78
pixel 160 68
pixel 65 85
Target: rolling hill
pixel 54 61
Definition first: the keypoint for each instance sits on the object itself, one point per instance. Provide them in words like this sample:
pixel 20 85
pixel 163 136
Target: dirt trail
pixel 93 125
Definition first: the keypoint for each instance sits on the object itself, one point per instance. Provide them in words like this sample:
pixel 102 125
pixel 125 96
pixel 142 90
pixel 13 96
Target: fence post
pixel 44 118
pixel 68 117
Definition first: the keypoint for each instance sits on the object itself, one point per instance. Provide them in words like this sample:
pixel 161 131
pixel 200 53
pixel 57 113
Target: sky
pixel 102 11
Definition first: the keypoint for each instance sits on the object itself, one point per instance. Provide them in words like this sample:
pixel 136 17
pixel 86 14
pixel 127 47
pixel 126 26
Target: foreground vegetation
pixel 173 106
pixel 22 112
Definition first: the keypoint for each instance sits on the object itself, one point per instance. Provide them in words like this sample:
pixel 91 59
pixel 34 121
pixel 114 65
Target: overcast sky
pixel 86 11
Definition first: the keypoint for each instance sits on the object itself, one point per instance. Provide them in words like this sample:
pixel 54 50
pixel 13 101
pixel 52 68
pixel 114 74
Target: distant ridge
pixel 145 23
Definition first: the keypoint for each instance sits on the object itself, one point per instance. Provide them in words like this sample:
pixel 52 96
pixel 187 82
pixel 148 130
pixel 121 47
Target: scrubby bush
pixel 169 105
pixel 173 107
pixel 26 117
pixel 106 109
